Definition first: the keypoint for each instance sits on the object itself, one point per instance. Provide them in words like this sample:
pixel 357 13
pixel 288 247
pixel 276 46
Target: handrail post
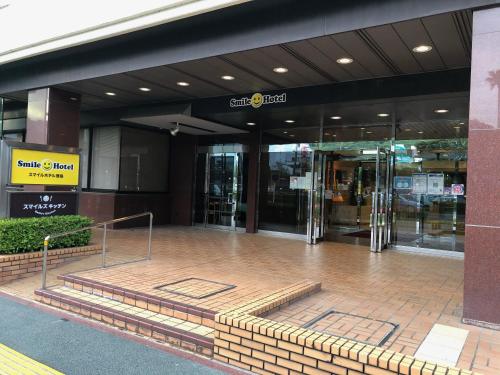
pixel 44 262
pixel 104 246
pixel 150 234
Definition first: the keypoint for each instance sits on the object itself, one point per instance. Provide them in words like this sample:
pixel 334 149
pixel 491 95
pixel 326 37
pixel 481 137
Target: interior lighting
pixel 251 123
pixel 280 70
pixel 183 84
pixel 336 117
pixel 227 78
pixel 441 110
pixel 109 93
pixel 145 89
pixel 289 121
pixel 423 48
pixel 383 115
pixel 344 60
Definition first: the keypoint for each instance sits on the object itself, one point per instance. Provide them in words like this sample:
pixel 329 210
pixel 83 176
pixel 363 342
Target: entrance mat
pixel 359 233
pixel 195 288
pixel 353 327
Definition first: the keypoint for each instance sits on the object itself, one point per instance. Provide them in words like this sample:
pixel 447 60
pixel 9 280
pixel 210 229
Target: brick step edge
pixel 184 311
pixel 142 326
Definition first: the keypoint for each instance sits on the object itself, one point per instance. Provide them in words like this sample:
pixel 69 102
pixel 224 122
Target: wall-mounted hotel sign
pixel 257 100
pixel 33 167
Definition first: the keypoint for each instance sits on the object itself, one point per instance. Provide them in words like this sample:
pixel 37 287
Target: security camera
pixel 175 130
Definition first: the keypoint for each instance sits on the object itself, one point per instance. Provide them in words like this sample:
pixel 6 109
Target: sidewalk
pixel 78 349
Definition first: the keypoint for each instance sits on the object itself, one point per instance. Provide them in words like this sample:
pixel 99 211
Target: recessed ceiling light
pixel 289 121
pixel 227 78
pixel 292 135
pixel 334 135
pixel 345 60
pixel 383 115
pixel 285 132
pixel 183 84
pixel 145 89
pixel 420 132
pixel 280 69
pixel 362 128
pixel 251 123
pixel 423 48
pixel 328 133
pixel 109 93
pixel 336 117
pixel 457 127
pixel 441 110
pixel 460 123
pixel 73 98
pixel 369 132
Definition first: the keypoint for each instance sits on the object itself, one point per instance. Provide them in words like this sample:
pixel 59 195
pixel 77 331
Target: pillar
pixel 482 233
pixel 53 117
pixel 253 178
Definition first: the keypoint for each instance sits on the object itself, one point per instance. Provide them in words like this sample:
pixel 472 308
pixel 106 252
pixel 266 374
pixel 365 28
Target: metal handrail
pixel 105 226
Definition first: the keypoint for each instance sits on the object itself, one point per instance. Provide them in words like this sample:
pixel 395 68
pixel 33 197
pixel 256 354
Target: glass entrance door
pixel 351 198
pixel 219 190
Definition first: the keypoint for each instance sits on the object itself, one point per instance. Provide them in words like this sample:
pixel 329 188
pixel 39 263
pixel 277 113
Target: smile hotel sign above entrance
pixel 257 100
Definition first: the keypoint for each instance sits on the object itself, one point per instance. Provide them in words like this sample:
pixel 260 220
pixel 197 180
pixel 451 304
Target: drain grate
pixel 195 288
pixel 353 327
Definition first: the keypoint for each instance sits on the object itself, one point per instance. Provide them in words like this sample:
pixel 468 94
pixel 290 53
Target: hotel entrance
pixel 220 187
pixel 351 199
pixel 381 174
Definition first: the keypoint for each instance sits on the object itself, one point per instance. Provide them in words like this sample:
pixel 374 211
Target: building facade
pixel 376 124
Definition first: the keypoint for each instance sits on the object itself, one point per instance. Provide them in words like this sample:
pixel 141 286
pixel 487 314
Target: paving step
pixel 162 327
pixel 176 309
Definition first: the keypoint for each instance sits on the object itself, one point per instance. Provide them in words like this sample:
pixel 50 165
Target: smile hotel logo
pixel 257 100
pixel 46 165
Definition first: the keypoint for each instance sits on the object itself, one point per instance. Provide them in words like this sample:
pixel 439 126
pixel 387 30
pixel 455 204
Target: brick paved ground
pixel 414 291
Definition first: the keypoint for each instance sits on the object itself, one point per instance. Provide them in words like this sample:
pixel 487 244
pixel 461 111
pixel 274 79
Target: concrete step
pixel 195 337
pixel 175 309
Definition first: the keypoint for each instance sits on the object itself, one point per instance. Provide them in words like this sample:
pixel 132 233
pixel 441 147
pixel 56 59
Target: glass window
pixel 105 158
pixel 284 184
pixel 430 173
pixel 143 160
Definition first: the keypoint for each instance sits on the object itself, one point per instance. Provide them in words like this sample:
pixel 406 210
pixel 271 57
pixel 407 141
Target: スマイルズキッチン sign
pixel 32 167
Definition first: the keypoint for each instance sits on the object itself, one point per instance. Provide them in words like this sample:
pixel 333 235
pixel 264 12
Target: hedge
pixel 26 235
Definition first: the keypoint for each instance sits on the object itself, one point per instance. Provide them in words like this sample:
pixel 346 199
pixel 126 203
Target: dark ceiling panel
pixel 212 69
pixel 262 62
pixel 362 54
pixel 386 38
pixel 331 47
pixel 413 33
pixel 446 38
pixel 169 76
pixel 317 54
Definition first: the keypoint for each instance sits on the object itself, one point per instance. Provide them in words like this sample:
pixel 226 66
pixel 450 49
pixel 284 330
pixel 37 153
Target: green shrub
pixel 27 235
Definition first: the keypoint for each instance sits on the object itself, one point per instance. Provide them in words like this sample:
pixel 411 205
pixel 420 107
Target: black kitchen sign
pixel 41 204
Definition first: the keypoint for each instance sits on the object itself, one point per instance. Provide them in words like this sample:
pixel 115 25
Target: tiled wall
pixel 16 266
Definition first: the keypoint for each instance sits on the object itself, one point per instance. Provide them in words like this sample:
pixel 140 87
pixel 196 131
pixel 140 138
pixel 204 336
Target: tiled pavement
pixel 414 291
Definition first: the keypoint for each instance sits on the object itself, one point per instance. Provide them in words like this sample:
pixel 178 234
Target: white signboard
pixel 435 183
pixel 419 183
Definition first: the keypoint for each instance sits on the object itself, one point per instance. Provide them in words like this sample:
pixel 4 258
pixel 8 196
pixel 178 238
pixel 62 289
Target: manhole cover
pixel 195 288
pixel 353 327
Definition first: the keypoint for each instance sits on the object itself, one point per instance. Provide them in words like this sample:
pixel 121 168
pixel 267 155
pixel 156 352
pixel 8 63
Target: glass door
pixel 222 194
pixel 219 186
pixel 316 198
pixel 381 208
